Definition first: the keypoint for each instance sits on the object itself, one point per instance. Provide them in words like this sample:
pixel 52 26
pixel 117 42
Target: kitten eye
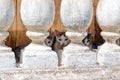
pixel 60 39
pixel 66 39
pixel 48 41
pixel 88 40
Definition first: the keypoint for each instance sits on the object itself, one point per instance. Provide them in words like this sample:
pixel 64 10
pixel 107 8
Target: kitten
pixel 59 41
pixel 90 41
pixel 18 52
pixel 49 40
pixel 87 40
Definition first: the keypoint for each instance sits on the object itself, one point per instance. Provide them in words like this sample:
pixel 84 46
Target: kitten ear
pixel 64 34
pixel 57 32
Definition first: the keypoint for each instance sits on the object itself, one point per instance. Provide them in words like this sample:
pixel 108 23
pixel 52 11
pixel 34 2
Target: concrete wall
pixel 37 12
pixel 41 12
pixel 6 14
pixel 109 12
pixel 74 13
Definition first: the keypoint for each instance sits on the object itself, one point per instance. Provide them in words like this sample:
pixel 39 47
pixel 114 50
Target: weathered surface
pixel 78 56
pixel 6 14
pixel 89 73
pixel 38 15
pixel 40 62
pixel 105 10
pixel 76 14
pixel 109 54
pixel 40 56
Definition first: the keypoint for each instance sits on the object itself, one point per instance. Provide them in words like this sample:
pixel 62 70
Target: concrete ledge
pixel 42 57
pixel 89 73
pixel 39 56
pixel 79 56
pixel 109 54
pixel 34 56
pixel 7 60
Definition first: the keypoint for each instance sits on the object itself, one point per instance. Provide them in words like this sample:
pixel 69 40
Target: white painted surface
pixel 76 13
pixel 110 34
pixel 108 12
pixel 109 54
pixel 89 73
pixel 78 56
pixel 37 12
pixel 40 13
pixel 6 14
pixel 40 56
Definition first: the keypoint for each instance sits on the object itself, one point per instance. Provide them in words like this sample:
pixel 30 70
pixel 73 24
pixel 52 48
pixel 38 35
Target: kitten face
pixel 49 40
pixel 88 39
pixel 62 39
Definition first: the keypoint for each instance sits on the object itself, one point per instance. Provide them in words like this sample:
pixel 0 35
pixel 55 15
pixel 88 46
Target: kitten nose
pixel 62 45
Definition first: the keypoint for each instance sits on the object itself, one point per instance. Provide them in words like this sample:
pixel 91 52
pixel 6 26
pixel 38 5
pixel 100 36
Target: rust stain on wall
pixel 17 32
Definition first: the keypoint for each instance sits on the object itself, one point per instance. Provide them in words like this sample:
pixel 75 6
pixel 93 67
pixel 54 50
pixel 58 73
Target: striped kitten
pixel 57 43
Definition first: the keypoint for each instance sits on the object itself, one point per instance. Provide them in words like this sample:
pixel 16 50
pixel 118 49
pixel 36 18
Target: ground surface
pixel 90 73
pixel 40 62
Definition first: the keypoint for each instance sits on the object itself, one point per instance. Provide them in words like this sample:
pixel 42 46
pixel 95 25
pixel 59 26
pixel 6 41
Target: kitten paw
pixel 60 65
pixel 19 65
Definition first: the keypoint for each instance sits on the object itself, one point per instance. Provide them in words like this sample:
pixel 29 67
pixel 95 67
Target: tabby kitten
pixel 57 43
pixel 89 41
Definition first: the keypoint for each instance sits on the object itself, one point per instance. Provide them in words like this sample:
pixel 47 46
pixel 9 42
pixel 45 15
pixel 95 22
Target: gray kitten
pixel 49 40
pixel 57 43
pixel 93 41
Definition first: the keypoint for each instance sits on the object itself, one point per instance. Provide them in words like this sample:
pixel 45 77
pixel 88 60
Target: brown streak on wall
pixel 17 32
pixel 57 23
pixel 94 27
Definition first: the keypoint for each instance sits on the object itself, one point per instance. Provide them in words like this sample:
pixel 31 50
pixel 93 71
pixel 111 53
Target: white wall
pixel 41 12
pixel 37 12
pixel 76 13
pixel 6 14
pixel 109 12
